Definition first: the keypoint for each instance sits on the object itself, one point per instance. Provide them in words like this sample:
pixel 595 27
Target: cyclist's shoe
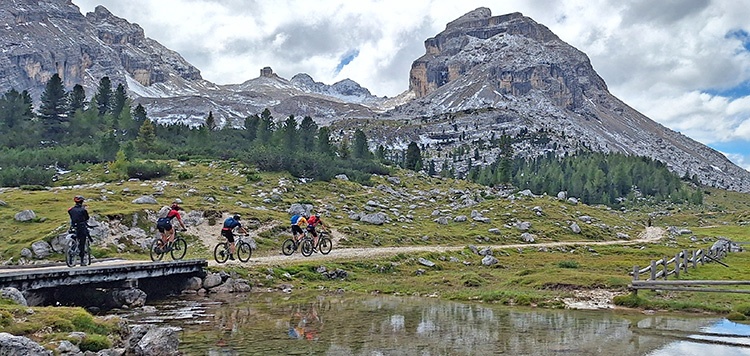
pixel 231 257
pixel 84 263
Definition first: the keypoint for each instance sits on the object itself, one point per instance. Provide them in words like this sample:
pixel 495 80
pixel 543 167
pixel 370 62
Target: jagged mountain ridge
pixel 483 74
pixel 533 80
pixel 41 38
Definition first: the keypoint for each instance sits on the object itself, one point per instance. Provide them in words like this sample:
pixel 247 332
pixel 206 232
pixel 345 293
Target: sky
pixel 683 63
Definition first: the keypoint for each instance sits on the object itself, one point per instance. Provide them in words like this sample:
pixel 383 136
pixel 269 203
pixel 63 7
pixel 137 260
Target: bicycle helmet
pixel 78 199
pixel 236 217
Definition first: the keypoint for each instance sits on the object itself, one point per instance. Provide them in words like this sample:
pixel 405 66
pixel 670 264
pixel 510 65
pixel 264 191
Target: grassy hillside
pixel 412 202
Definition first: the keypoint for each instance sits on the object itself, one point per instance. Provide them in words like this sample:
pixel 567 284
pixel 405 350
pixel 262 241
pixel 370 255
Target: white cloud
pixel 658 57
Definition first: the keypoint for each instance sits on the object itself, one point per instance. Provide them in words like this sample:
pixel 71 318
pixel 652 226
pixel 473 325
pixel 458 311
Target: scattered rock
pixel 25 215
pixel 146 199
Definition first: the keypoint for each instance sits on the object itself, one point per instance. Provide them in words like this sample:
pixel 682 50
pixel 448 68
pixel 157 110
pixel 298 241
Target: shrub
pixel 94 342
pixel 631 301
pixel 32 187
pixel 472 280
pixel 735 316
pixel 148 170
pixel 743 309
pixel 567 264
pixel 184 175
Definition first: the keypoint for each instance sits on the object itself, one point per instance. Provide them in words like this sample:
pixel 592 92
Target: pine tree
pixel 104 96
pixel 324 145
pixel 359 148
pixel 210 121
pixel 344 150
pixel 146 140
pixel 265 128
pixel 120 100
pixel 288 134
pixel 53 109
pixel 108 146
pixel 251 127
pixel 307 129
pixel 17 127
pixel 413 158
pixel 77 100
pixel 139 115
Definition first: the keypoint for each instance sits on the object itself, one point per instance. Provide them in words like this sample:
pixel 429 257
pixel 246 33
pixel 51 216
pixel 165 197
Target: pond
pixel 275 324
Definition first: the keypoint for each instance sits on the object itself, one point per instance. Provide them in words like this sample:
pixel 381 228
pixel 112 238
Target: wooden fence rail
pixel 680 263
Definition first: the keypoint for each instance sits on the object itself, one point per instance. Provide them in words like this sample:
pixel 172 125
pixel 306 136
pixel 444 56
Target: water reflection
pixel 266 324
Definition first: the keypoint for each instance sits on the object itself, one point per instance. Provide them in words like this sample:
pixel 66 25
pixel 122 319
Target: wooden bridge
pixel 45 283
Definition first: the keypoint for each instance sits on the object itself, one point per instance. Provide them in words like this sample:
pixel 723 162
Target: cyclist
pixel 297 221
pixel 164 225
pixel 312 222
pixel 227 231
pixel 79 218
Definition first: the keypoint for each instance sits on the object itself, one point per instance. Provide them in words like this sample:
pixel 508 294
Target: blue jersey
pixel 230 224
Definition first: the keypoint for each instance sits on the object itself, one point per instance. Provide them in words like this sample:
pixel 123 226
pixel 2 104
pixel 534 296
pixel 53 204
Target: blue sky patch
pixel 741 35
pixel 736 92
pixel 347 58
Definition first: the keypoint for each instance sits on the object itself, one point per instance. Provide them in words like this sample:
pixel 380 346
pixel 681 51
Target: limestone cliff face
pixel 511 53
pixel 41 38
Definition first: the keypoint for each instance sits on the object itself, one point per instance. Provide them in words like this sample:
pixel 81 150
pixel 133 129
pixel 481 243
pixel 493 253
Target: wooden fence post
pixel 685 260
pixel 653 270
pixel 677 266
pixel 666 268
pixel 636 271
pixel 695 259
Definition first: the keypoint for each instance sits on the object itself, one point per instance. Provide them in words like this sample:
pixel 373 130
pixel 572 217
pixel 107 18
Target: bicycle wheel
pixel 157 250
pixel 324 245
pixel 86 256
pixel 306 248
pixel 221 252
pixel 179 248
pixel 288 247
pixel 244 251
pixel 70 255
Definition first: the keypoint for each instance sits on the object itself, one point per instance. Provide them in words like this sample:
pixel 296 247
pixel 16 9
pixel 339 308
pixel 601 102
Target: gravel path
pixel 650 234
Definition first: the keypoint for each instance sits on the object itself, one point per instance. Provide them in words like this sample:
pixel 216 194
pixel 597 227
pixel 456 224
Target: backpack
pixel 295 218
pixel 313 220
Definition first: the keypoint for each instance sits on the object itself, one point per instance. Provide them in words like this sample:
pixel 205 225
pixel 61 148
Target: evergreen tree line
pixel 594 178
pixel 67 130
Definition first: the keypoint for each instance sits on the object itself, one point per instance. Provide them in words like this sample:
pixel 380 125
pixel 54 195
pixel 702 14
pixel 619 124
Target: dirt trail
pixel 650 234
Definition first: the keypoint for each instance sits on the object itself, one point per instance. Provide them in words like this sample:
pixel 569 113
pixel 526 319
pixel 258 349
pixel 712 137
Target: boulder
pixel 21 346
pixel 158 341
pixel 212 280
pixel 41 249
pixel 489 260
pixel 575 228
pixel 145 199
pixel 14 294
pixel 25 215
pixel 375 218
pixel 131 298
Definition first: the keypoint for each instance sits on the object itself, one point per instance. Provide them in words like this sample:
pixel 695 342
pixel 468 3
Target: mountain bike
pixel 73 252
pixel 324 244
pixel 176 248
pixel 290 245
pixel 242 249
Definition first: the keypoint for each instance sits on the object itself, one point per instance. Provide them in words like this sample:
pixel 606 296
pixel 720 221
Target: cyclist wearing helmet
pixel 79 218
pixel 312 222
pixel 164 225
pixel 228 231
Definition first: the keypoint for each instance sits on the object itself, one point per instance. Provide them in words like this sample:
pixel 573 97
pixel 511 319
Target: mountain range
pixel 482 76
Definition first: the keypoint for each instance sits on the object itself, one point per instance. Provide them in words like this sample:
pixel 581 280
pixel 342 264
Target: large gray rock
pixel 25 215
pixel 145 199
pixel 375 218
pixel 131 298
pixel 212 280
pixel 158 341
pixel 300 209
pixel 13 294
pixel 21 346
pixel 41 249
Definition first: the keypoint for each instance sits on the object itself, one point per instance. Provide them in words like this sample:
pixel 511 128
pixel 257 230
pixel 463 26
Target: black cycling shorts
pixel 228 234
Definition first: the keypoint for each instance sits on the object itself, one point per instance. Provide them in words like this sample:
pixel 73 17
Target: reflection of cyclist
pixel 227 231
pixel 308 326
pixel 79 218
